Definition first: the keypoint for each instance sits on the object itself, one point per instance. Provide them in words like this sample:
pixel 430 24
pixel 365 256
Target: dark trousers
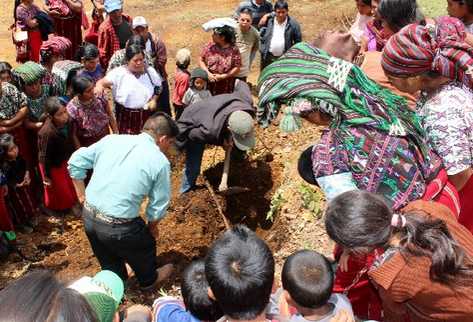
pixel 163 100
pixel 117 244
pixel 267 59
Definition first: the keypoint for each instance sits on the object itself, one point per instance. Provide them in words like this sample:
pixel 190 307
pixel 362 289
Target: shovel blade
pixel 233 190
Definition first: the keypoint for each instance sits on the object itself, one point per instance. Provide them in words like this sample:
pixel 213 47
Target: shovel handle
pixel 226 169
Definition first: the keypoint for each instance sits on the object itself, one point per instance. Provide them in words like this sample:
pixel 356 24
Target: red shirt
pixel 108 42
pixel 181 84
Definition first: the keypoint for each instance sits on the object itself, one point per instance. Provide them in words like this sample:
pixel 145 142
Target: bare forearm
pixel 79 186
pixel 460 180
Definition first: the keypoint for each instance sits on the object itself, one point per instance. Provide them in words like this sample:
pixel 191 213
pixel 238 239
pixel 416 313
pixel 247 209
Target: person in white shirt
pixel 281 33
pixel 135 89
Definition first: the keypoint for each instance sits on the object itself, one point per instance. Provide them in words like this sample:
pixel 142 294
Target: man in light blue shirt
pixel 126 169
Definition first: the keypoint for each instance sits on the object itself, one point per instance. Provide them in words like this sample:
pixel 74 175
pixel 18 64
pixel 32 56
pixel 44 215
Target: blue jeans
pixel 194 153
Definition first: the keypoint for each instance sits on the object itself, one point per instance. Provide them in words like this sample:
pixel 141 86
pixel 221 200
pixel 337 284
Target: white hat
pixel 139 21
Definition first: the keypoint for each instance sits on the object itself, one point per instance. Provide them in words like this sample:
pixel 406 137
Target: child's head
pixel 240 271
pixel 364 7
pixel 194 290
pixel 183 58
pixel 5 72
pixel 8 148
pixel 83 87
pixel 88 55
pixel 199 79
pixel 54 109
pixel 396 14
pixel 307 279
pixel 460 9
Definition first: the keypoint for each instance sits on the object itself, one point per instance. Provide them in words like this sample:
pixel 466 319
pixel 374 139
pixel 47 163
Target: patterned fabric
pixel 418 49
pixel 36 105
pixel 391 166
pixel 62 70
pixel 335 87
pixel 23 14
pixel 29 72
pixel 131 121
pixel 108 42
pixel 220 61
pixel 91 119
pixel 11 101
pixel 377 37
pixel 373 134
pixel 70 27
pixel 447 116
pixel 56 45
pixel 95 75
pixel 118 59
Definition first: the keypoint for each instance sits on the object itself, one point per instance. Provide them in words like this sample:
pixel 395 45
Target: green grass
pixel 433 8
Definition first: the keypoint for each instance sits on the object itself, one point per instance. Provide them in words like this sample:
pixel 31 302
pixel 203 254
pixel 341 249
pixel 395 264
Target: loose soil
pixel 193 222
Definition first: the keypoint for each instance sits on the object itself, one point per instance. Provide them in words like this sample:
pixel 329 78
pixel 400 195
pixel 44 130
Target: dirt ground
pixel 193 221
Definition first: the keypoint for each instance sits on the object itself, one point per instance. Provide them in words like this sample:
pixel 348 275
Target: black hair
pixel 40 296
pixel 87 51
pixel 51 106
pixel 132 51
pixel 6 141
pixel 80 83
pixel 281 4
pixel 246 10
pixel 400 13
pixel 308 277
pixel 161 123
pixel 468 3
pixel 304 166
pixel 5 67
pixel 366 2
pixel 136 40
pixel 228 34
pixel 194 290
pixel 15 6
pixel 357 219
pixel 240 270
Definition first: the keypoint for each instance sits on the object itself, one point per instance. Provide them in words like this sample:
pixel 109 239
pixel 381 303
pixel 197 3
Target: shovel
pixel 223 187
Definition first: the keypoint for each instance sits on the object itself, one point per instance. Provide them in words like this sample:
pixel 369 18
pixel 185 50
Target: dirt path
pixel 192 222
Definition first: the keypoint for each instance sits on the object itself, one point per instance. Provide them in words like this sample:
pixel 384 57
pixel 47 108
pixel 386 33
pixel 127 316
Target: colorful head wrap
pixel 420 49
pixel 55 46
pixel 29 73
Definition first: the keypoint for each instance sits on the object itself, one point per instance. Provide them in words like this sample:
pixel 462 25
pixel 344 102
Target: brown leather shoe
pixel 164 272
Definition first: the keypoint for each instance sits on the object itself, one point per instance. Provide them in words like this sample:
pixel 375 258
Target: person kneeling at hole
pixel 224 120
pixel 126 169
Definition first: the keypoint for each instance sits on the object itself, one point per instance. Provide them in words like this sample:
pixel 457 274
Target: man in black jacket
pixel 224 120
pixel 281 33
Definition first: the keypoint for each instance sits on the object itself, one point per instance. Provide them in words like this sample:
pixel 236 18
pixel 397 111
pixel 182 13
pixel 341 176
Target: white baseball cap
pixel 139 21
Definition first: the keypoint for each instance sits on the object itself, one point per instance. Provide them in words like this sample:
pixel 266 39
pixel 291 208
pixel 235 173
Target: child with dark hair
pixel 307 282
pixel 55 147
pixel 88 55
pixel 20 199
pixel 463 10
pixel 240 271
pixel 396 14
pixel 181 80
pixel 197 306
pixel 5 72
pixel 363 17
pixel 425 271
pixel 197 87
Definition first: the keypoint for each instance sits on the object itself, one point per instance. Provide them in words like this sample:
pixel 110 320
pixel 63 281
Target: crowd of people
pixel 88 118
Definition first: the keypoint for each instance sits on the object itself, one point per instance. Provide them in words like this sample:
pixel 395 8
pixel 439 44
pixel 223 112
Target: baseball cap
pixel 139 21
pixel 242 126
pixel 103 292
pixel 112 5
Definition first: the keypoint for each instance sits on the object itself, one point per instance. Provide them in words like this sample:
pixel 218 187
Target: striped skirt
pixel 21 204
pixel 131 121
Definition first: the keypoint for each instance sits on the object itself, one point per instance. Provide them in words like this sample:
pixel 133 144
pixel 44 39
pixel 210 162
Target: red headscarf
pixel 418 49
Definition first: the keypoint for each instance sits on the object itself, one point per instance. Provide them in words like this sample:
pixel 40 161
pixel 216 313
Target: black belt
pixel 97 214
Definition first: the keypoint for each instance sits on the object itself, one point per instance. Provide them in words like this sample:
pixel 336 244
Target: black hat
pixel 304 166
pixel 199 73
